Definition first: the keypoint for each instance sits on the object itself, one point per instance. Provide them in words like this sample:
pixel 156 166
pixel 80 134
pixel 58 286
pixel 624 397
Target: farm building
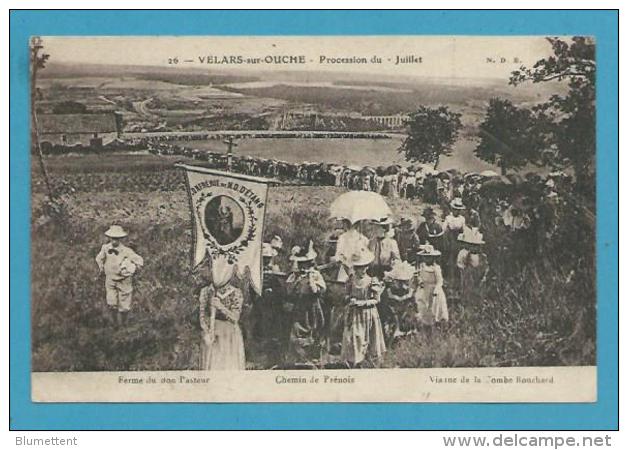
pixel 72 129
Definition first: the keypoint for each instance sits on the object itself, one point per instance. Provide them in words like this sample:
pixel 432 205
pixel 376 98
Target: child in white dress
pixel 431 299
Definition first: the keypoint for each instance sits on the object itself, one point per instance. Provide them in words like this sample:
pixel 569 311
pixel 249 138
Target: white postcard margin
pixel 468 385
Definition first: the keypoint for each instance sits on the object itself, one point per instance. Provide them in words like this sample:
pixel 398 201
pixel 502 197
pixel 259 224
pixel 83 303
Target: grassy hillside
pixel 536 315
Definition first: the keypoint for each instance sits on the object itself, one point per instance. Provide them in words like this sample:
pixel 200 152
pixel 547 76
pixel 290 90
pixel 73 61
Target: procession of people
pixel 398 276
pixel 375 278
pixel 415 181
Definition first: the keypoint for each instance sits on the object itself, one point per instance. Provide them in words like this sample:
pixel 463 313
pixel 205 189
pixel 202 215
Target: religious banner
pixel 227 223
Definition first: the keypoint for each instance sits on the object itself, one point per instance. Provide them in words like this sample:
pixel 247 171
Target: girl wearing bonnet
pixel 363 337
pixel 431 299
pixel 398 298
pixel 306 288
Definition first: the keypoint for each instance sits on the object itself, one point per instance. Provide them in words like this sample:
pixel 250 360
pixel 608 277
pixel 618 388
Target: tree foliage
pixel 432 133
pixel 508 135
pixel 568 119
pixel 38 59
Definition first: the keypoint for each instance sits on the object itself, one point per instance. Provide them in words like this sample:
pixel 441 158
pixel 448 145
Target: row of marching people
pixel 529 202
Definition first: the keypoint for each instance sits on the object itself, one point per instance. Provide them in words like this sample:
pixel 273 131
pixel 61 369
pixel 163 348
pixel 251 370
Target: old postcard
pixel 313 219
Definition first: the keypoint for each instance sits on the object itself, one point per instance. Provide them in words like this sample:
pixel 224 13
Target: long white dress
pixel 431 298
pixel 226 351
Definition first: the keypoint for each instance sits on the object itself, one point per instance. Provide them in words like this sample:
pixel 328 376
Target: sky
pixel 451 56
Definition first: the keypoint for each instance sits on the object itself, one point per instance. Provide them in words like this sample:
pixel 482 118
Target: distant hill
pixel 368 93
pixel 225 76
pixel 186 76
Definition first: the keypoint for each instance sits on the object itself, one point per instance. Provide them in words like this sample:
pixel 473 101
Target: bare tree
pixel 38 61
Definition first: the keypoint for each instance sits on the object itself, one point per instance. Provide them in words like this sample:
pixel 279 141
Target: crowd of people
pixel 391 277
pixel 512 203
pixel 393 286
pixel 419 181
pixel 398 276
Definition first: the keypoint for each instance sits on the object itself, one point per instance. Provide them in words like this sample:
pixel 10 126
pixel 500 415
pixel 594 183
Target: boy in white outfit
pixel 119 263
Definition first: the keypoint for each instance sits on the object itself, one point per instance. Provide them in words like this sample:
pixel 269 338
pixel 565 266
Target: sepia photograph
pixel 415 209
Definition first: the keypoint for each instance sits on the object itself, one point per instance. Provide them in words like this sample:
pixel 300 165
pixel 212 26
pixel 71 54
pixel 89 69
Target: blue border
pixel 601 415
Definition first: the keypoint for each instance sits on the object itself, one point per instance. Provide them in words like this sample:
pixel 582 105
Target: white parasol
pixel 360 205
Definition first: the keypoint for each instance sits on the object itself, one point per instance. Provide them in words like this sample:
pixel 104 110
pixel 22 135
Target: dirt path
pixel 142 108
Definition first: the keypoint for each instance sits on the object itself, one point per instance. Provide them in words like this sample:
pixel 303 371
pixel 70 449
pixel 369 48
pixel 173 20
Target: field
pixel 150 98
pixel 379 100
pixel 146 102
pixel 535 317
